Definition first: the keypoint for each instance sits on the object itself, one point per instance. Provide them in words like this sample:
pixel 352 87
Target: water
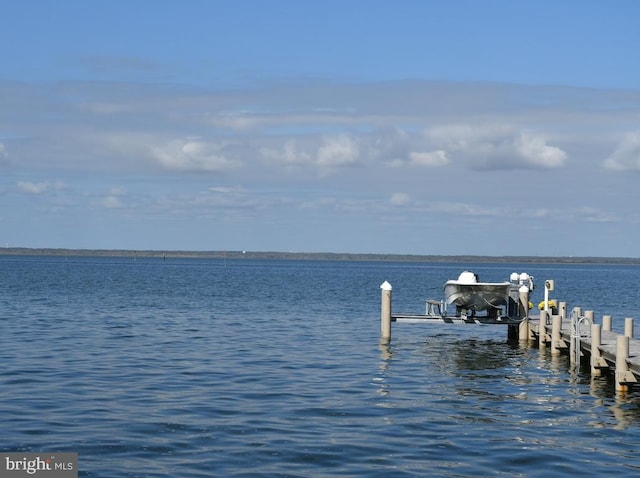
pixel 199 368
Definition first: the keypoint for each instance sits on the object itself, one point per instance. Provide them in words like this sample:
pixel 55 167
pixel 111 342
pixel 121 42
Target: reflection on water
pixel 503 379
pixel 610 408
pixel 526 406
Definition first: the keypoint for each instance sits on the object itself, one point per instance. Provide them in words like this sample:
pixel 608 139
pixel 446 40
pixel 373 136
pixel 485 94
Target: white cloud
pixel 193 155
pixel 458 209
pixel 227 189
pixel 536 152
pixel 338 151
pixel 626 156
pixel 29 187
pixel 400 199
pixel 331 153
pixel 243 120
pixel 282 139
pixel 291 153
pixel 496 147
pixel 112 202
pixel 238 121
pixel 591 214
pixel 431 158
pixel 390 144
pixel 320 203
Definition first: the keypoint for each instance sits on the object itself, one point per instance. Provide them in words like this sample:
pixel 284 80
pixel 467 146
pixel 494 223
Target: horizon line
pixel 230 254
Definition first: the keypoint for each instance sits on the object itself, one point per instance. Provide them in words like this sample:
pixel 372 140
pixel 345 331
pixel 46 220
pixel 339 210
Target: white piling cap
pixel 385 286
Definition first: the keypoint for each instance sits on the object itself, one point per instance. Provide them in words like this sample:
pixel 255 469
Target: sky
pixel 492 127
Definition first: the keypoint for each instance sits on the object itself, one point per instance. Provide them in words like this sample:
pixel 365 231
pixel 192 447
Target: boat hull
pixel 477 296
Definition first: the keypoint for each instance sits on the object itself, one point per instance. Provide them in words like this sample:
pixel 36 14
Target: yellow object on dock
pixel 552 304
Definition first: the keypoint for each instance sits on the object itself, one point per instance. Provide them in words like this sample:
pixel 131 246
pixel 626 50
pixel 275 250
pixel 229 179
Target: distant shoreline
pixel 330 256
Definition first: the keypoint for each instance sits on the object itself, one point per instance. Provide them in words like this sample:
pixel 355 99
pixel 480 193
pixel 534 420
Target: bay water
pixel 243 368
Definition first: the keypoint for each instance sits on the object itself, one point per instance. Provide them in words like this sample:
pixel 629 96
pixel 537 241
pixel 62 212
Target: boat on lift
pixel 470 295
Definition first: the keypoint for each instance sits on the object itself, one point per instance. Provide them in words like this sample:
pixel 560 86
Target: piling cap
pixel 385 286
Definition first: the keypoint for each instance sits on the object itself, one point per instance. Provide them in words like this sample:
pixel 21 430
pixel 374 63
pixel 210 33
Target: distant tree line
pixel 327 256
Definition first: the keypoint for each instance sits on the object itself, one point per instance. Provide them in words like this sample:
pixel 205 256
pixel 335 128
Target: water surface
pixel 197 368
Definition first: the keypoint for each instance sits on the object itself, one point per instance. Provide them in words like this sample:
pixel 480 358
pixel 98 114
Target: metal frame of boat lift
pixel 517 309
pixel 437 310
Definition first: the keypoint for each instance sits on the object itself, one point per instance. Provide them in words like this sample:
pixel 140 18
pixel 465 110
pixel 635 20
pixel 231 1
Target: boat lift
pixel 512 310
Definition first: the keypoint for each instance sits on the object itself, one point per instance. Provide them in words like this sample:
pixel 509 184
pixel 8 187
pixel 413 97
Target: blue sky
pixel 419 127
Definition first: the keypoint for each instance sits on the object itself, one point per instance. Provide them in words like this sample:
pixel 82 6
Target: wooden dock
pixel 587 341
pixel 577 334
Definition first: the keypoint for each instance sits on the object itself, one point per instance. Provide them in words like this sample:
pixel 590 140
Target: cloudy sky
pixel 422 127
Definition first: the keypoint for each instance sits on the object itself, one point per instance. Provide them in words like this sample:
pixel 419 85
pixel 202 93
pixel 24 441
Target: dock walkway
pixel 607 345
pixel 584 339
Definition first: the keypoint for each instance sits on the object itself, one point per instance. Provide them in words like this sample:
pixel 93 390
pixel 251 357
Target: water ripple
pixel 273 368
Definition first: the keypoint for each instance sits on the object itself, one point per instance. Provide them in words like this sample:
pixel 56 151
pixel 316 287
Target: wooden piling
pixel 574 343
pixel 589 314
pixel 542 329
pixel 606 323
pixel 622 368
pixel 577 321
pixel 628 327
pixel 596 357
pixel 556 327
pixel 385 313
pixel 523 328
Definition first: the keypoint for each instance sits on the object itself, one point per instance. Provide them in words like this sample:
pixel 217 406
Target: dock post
pixel 628 327
pixel 548 287
pixel 562 310
pixel 596 341
pixel 622 368
pixel 385 313
pixel 542 329
pixel 523 328
pixel 606 323
pixel 574 345
pixel 556 327
pixel 589 314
